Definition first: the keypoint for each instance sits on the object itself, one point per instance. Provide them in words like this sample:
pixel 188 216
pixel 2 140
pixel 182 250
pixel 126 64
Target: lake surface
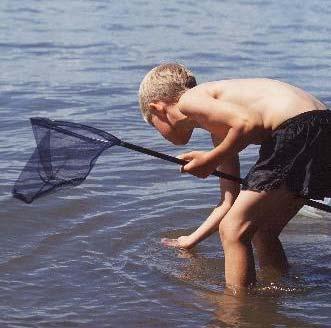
pixel 91 256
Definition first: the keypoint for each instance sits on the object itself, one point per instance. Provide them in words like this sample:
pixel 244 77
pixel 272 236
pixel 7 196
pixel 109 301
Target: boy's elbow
pixel 240 127
pixel 240 134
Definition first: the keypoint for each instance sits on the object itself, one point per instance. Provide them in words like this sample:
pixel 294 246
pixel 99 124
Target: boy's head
pixel 166 82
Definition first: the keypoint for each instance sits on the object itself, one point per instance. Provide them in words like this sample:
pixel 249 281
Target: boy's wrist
pixel 212 158
pixel 186 241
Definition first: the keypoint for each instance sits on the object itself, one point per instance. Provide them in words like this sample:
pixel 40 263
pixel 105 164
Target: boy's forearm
pixel 209 226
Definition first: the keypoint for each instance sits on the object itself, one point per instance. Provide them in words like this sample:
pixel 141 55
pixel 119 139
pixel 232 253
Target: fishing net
pixel 65 154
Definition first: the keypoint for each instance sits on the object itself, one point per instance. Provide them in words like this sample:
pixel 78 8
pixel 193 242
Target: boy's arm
pixel 229 193
pixel 215 115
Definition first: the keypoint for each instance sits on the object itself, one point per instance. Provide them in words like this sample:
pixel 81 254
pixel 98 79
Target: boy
pixel 293 129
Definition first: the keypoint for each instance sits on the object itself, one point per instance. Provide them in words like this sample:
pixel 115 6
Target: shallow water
pixel 91 256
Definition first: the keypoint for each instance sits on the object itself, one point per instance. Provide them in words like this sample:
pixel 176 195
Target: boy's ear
pixel 158 108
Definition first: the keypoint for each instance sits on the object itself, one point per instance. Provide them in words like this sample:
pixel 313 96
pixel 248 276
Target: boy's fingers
pixel 182 157
pixel 185 168
pixel 169 242
pixel 186 156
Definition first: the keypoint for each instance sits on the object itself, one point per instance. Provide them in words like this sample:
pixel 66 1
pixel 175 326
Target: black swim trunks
pixel 298 153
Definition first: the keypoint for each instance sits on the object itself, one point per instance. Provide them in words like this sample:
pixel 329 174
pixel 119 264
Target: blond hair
pixel 166 82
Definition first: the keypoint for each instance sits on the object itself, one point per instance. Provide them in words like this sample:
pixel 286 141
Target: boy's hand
pixel 180 242
pixel 200 163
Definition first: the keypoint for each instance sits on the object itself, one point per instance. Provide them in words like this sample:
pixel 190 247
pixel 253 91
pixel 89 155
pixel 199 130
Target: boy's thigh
pixel 266 210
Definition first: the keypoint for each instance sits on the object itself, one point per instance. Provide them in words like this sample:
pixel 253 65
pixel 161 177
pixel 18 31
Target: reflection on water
pixel 259 306
pixel 248 311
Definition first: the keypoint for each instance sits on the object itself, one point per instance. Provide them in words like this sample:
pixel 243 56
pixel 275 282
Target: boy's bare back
pixel 262 103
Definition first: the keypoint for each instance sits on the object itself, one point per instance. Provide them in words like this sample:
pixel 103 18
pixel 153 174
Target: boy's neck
pixel 180 119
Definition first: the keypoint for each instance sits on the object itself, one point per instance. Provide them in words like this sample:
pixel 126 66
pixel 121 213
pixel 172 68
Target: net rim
pixel 59 124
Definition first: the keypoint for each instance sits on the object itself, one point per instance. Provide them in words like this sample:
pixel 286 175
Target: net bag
pixel 65 154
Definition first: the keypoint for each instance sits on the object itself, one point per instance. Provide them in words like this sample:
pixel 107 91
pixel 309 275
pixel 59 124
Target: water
pixel 91 256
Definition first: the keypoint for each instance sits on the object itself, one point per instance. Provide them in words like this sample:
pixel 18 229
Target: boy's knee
pixel 233 231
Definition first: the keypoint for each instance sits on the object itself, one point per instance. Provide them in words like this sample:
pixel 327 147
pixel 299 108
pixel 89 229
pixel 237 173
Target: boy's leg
pixel 249 212
pixel 269 249
pixel 270 253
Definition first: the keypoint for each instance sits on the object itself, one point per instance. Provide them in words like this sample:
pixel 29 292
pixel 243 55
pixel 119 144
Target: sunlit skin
pixel 236 113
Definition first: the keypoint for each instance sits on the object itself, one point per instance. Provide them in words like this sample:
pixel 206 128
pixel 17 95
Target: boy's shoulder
pixel 203 90
pixel 194 97
pixel 202 101
pixel 215 89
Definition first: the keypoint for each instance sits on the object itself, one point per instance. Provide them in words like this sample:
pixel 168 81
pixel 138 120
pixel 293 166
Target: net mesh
pixel 65 154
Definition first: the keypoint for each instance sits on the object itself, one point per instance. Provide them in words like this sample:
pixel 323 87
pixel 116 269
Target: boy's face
pixel 175 135
pixel 167 123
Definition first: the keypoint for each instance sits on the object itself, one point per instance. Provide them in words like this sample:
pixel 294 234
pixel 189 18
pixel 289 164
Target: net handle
pixel 174 159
